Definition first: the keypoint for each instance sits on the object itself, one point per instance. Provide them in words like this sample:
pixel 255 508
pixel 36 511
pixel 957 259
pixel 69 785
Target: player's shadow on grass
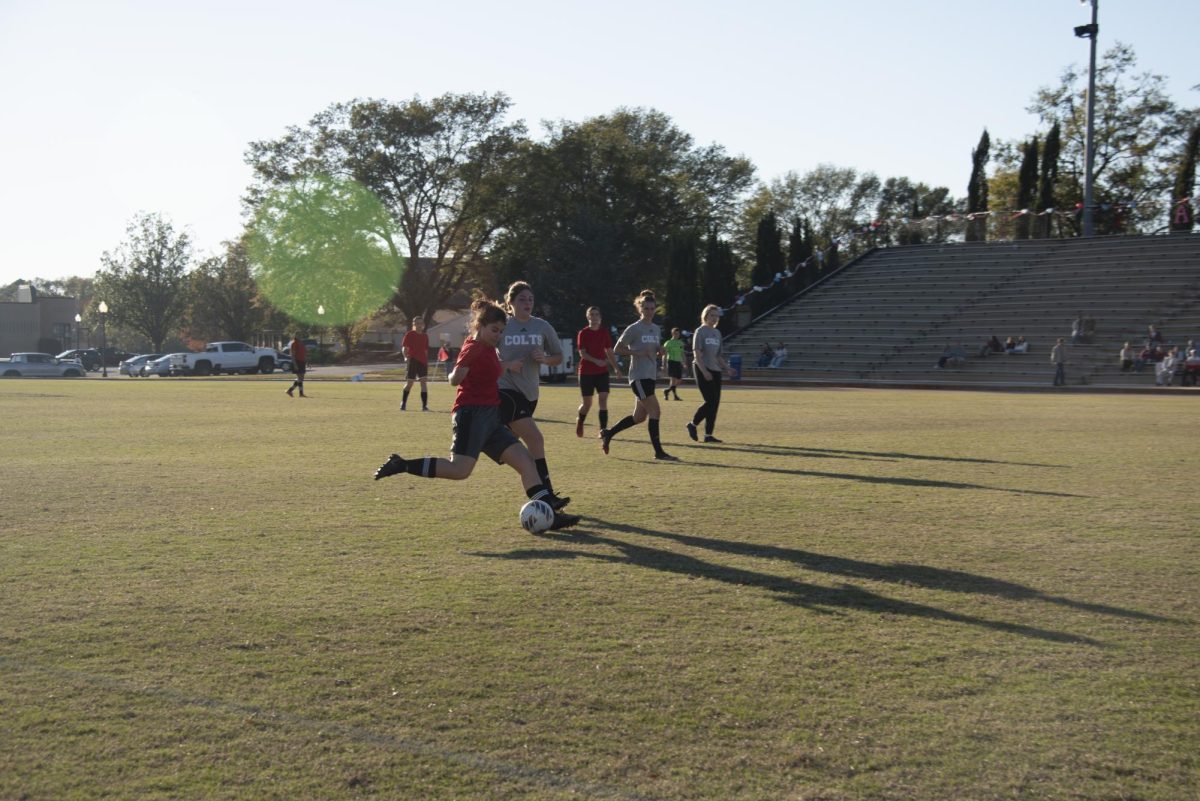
pixel 934 578
pixel 870 456
pixel 896 480
pixel 790 591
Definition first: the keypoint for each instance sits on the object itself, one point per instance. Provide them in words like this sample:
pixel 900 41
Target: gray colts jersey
pixel 706 344
pixel 644 338
pixel 517 342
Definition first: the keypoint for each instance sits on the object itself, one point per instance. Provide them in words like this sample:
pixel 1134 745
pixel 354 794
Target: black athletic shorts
pixel 478 429
pixel 643 388
pixel 515 406
pixel 674 369
pixel 299 367
pixel 417 369
pixel 593 382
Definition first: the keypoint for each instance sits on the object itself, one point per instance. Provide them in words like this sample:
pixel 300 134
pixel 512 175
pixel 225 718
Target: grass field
pixel 859 595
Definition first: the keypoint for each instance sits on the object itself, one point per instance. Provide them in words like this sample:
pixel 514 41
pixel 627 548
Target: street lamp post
pixel 321 333
pixel 103 309
pixel 1090 32
pixel 78 322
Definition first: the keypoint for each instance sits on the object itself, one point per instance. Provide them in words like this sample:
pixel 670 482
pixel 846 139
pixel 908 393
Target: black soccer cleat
pixel 562 521
pixel 663 456
pixel 556 502
pixel 605 440
pixel 711 438
pixel 691 427
pixel 393 466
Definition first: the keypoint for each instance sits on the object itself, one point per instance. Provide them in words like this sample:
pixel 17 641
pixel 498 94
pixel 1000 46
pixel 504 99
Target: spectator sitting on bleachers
pixel 1010 345
pixel 991 346
pixel 1126 358
pixel 765 355
pixel 1155 336
pixel 956 354
pixel 1077 329
pixel 1190 371
pixel 1022 346
pixel 781 354
pixel 1167 367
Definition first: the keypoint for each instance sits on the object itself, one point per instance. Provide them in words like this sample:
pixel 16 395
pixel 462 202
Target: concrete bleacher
pixel 886 318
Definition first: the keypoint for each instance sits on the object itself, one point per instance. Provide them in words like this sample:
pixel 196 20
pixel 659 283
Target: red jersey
pixel 593 343
pixel 418 346
pixel 481 386
pixel 299 352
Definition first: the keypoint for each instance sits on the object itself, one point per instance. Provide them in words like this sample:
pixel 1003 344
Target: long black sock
pixel 604 418
pixel 424 399
pixel 537 492
pixel 625 422
pixel 404 400
pixel 652 424
pixel 544 472
pixel 426 466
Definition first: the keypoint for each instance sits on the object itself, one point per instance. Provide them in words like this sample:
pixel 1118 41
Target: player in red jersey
pixel 595 356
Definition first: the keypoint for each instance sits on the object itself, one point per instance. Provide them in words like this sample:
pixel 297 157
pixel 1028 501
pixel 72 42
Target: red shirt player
pixel 415 346
pixel 299 365
pixel 595 356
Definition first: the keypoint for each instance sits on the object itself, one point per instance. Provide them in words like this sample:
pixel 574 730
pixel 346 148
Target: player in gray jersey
pixel 642 343
pixel 527 343
pixel 707 367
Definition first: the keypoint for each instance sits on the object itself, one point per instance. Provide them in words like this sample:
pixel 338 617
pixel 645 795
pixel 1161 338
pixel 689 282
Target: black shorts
pixel 643 388
pixel 515 406
pixel 674 369
pixel 478 429
pixel 417 369
pixel 592 382
pixel 299 367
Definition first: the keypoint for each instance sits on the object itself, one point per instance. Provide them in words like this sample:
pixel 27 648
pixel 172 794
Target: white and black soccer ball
pixel 536 517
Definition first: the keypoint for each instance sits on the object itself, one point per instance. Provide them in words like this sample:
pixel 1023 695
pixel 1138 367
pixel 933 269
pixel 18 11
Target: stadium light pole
pixel 321 331
pixel 78 322
pixel 103 309
pixel 1090 32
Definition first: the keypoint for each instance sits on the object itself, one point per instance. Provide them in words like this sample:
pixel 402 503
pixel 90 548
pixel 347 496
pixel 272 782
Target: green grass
pixel 860 595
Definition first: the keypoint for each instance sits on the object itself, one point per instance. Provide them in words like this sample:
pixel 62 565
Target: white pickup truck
pixel 224 357
pixel 40 364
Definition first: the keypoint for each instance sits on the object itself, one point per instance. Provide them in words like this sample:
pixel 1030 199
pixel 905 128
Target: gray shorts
pixel 478 429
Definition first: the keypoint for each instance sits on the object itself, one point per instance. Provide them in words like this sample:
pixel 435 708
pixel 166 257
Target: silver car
pixel 160 366
pixel 132 366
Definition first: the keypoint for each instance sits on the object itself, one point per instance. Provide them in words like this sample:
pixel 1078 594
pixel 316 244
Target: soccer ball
pixel 536 516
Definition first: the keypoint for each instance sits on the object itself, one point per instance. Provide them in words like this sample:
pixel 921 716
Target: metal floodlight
pixel 1086 31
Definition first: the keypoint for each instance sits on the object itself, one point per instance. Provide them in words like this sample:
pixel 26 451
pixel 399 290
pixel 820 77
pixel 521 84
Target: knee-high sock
pixel 625 422
pixel 426 466
pixel 424 399
pixel 544 472
pixel 404 397
pixel 652 424
pixel 604 418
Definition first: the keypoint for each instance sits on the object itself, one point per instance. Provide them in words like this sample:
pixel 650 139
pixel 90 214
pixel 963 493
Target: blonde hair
pixel 710 308
pixel 643 296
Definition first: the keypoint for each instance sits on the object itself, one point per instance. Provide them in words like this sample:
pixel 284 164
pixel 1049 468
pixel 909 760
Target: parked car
pixel 132 366
pixel 225 357
pixel 89 357
pixel 40 364
pixel 284 361
pixel 160 366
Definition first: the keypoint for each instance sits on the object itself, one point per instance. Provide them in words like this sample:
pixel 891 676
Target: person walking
pixel 1059 358
pixel 641 343
pixel 477 426
pixel 708 366
pixel 674 358
pixel 595 357
pixel 527 343
pixel 299 365
pixel 415 347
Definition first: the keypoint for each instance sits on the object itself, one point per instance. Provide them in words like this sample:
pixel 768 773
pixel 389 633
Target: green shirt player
pixel 674 363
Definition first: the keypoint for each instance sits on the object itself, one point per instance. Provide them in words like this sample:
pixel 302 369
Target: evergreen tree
pixel 768 261
pixel 1183 215
pixel 718 280
pixel 1027 180
pixel 799 249
pixel 683 283
pixel 977 189
pixel 1048 182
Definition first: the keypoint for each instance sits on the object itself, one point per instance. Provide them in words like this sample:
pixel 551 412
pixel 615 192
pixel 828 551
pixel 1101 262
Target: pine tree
pixel 1183 215
pixel 977 189
pixel 683 282
pixel 768 261
pixel 1027 180
pixel 1049 180
pixel 799 250
pixel 718 279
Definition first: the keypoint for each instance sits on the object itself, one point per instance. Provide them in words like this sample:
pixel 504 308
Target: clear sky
pixel 113 107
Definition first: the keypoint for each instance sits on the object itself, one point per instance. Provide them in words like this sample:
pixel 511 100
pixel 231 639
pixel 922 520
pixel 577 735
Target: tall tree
pixel 977 189
pixel 718 279
pixel 1026 187
pixel 1048 182
pixel 144 281
pixel 441 168
pixel 900 198
pixel 799 251
pixel 683 282
pixel 1182 212
pixel 769 261
pixel 598 203
pixel 1139 132
pixel 224 299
